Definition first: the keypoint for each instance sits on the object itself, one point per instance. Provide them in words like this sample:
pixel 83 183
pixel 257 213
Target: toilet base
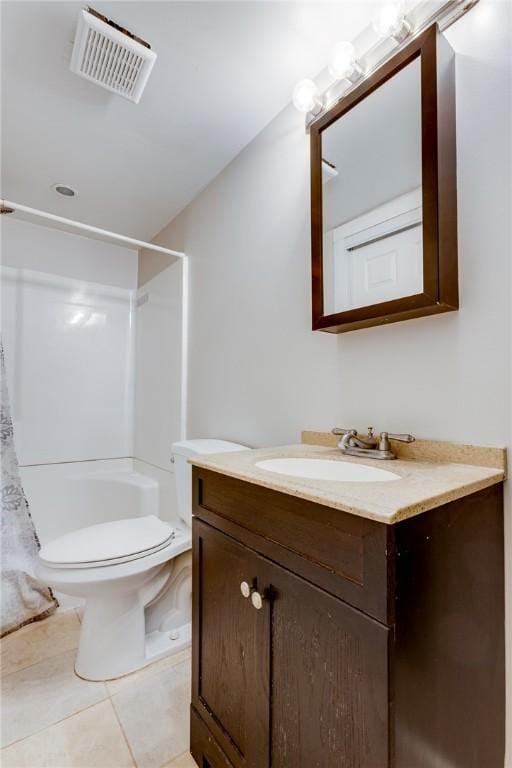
pixel 160 644
pixel 125 631
pixel 157 645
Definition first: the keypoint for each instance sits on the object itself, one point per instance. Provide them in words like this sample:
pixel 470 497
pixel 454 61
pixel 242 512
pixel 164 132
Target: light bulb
pixel 343 63
pixel 306 97
pixel 390 21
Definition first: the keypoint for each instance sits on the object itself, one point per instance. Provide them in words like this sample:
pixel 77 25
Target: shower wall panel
pixel 69 350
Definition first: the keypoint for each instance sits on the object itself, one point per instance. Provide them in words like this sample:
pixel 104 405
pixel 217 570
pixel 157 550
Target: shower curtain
pixel 23 597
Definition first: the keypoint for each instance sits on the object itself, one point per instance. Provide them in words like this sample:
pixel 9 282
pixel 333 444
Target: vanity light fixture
pixel 343 63
pixel 394 26
pixel 391 21
pixel 306 97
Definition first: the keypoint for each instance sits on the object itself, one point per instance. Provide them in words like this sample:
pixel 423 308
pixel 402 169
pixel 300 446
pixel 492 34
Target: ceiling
pixel 224 70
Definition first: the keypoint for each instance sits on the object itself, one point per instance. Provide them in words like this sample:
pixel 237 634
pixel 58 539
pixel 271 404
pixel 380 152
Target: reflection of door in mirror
pixel 372 197
pixel 375 257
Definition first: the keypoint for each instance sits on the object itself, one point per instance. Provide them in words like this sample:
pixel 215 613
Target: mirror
pixel 371 197
pixel 376 180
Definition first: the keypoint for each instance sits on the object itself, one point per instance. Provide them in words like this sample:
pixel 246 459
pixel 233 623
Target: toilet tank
pixel 181 453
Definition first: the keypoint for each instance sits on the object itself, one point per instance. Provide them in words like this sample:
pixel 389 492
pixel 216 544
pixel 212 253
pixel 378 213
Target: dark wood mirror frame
pixel 439 190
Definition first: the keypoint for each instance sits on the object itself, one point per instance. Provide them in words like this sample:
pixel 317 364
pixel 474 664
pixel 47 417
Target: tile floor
pixel 53 719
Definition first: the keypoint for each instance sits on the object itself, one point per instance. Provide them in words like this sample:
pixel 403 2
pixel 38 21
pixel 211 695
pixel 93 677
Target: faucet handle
pixel 339 431
pixel 404 438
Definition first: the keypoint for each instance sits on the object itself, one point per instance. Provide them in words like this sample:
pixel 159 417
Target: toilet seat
pixel 80 578
pixel 107 544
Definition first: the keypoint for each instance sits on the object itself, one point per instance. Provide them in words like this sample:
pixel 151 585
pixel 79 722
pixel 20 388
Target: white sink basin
pixel 327 469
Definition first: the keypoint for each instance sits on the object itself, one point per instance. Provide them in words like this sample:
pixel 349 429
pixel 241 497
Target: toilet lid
pixel 108 543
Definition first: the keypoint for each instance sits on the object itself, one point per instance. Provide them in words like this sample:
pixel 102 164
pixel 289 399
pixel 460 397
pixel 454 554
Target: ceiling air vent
pixel 110 56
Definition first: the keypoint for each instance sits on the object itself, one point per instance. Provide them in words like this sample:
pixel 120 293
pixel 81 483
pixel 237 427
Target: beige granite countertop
pixel 422 485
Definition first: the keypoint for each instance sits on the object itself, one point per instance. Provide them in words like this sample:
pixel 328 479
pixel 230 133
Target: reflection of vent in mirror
pixel 372 209
pixel 329 171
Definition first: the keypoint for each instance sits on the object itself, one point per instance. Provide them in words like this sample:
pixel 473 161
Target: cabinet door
pixel 230 686
pixel 329 690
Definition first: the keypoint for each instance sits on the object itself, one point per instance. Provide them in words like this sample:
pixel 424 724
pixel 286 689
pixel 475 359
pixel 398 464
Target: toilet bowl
pixel 136 577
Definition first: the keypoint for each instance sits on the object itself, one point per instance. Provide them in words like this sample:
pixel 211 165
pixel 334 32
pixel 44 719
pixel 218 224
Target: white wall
pixel 68 344
pixel 32 246
pixel 259 375
pixel 257 371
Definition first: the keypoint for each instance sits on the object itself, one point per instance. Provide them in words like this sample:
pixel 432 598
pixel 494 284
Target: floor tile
pixel 136 678
pixel 38 641
pixel 183 761
pixel 90 739
pixel 41 695
pixel 154 715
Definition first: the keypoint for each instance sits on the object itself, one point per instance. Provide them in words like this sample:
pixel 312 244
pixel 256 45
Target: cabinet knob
pixel 257 600
pixel 245 589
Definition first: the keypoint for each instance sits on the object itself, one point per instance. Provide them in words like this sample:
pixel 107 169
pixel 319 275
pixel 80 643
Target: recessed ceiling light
pixel 64 190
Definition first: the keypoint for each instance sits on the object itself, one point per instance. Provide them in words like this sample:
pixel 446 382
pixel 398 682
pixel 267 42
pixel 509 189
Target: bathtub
pixel 68 496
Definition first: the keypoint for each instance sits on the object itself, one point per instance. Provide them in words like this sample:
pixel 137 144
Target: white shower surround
pixel 71 347
pixel 69 354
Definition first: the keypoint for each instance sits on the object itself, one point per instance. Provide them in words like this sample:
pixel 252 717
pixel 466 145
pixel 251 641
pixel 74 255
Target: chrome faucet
pixel 370 446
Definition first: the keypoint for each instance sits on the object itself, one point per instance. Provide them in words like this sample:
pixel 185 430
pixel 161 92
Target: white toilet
pixel 136 578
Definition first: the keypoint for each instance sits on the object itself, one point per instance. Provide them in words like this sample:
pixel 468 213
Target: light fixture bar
pixel 374 51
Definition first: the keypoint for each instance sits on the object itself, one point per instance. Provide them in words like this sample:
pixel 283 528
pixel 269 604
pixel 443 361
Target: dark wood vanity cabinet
pixel 268 677
pixel 365 646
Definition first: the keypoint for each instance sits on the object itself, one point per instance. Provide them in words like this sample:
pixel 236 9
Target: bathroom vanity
pixel 347 625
